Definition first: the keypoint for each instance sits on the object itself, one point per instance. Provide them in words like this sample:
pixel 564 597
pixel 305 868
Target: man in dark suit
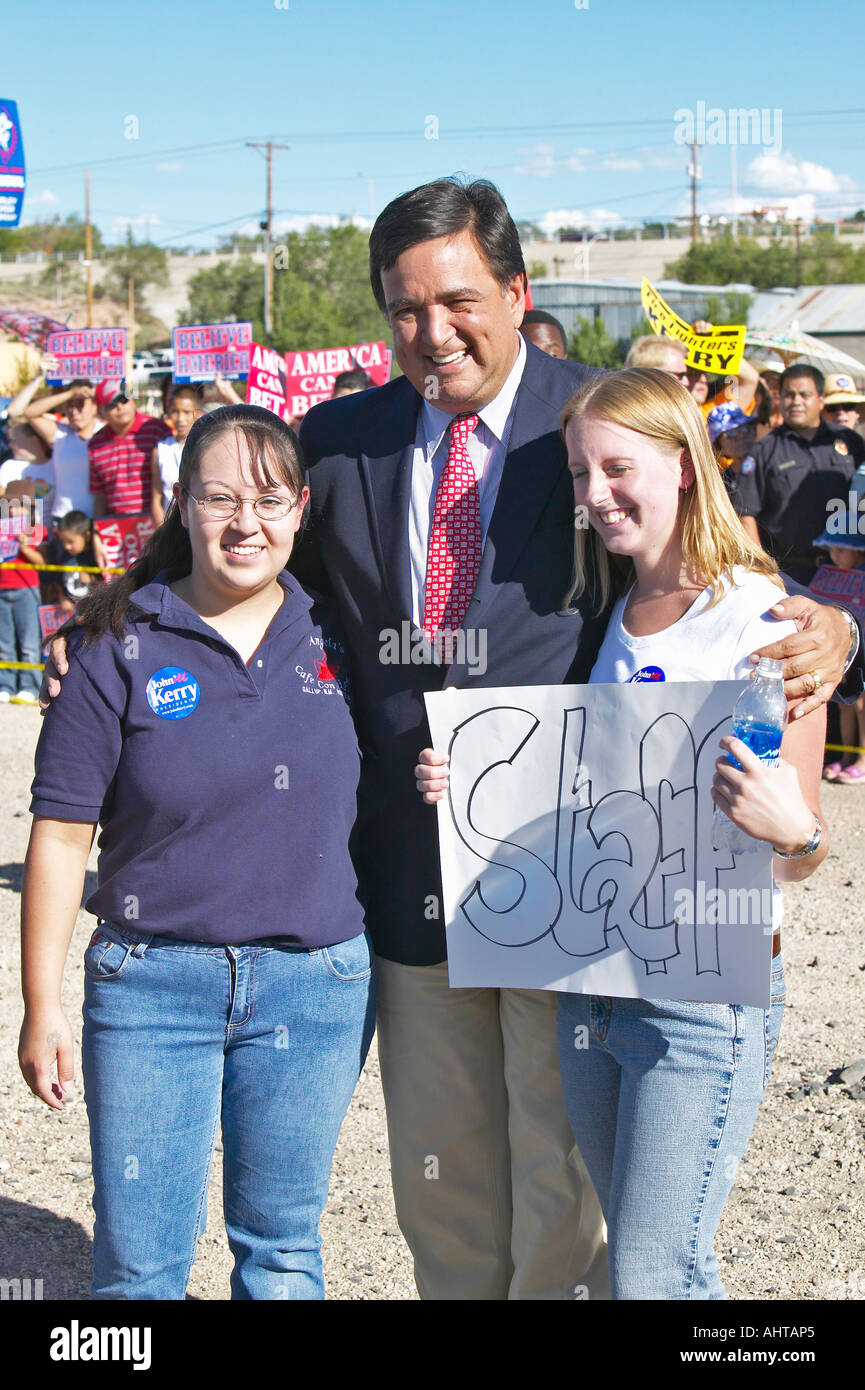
pixel 490 1193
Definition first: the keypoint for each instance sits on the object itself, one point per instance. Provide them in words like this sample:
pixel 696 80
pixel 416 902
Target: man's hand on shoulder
pixel 814 657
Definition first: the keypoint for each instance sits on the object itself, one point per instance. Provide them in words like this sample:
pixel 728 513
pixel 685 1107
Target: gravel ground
pixel 792 1229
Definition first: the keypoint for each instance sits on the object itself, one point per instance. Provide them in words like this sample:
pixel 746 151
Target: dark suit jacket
pixel 355 548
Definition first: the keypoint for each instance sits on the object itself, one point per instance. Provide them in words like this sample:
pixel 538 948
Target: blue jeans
pixel 178 1035
pixel 662 1097
pixel 20 636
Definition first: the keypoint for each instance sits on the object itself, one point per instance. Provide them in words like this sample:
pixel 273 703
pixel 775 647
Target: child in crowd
pixel 19 605
pixel 74 541
pixel 183 411
pixel 846 546
pixel 30 463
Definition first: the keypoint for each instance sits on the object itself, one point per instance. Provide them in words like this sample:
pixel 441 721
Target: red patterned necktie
pixel 454 552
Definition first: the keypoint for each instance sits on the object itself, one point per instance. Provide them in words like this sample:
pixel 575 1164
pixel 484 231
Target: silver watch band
pixel 810 845
pixel 854 639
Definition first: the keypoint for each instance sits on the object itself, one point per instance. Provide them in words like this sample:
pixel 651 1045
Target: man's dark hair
pixel 800 369
pixel 442 208
pixel 352 381
pixel 541 316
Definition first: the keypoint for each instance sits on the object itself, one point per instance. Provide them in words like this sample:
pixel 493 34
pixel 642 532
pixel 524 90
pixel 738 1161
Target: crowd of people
pixel 264 786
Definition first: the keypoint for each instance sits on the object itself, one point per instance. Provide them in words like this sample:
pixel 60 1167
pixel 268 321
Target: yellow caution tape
pixel 719 352
pixel 20 666
pixel 844 748
pixel 71 569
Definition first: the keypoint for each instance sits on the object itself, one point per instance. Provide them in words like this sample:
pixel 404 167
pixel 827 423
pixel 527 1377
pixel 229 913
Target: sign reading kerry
pixel 719 352
pixel 204 351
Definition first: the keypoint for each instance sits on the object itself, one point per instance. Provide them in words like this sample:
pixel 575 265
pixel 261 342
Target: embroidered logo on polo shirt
pixel 646 673
pixel 172 692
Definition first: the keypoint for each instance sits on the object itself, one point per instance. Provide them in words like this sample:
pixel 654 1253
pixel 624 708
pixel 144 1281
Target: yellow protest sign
pixel 719 352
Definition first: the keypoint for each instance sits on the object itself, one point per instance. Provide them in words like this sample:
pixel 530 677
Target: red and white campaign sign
pixel 99 354
pixel 265 384
pixel 844 587
pixel 51 616
pixel 124 537
pixel 204 351
pixel 311 374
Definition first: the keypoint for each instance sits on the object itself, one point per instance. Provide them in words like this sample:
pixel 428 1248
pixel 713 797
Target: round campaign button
pixel 646 673
pixel 172 692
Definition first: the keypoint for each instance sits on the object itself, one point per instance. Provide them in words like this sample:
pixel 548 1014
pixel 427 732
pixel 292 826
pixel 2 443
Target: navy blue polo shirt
pixel 793 481
pixel 225 793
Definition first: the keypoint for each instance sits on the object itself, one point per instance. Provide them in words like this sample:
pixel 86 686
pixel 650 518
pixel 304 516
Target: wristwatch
pixel 809 846
pixel 854 639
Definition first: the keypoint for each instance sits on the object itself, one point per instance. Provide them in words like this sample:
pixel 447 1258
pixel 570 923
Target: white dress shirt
pixel 487 448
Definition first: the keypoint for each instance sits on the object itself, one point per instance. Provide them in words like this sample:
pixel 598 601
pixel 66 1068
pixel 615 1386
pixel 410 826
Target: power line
pixel 458 132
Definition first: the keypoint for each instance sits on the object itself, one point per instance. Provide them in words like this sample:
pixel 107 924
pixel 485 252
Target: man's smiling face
pixel 454 327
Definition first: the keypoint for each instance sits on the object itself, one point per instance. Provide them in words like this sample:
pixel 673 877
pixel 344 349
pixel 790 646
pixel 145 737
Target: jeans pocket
pixel 350 960
pixel 106 959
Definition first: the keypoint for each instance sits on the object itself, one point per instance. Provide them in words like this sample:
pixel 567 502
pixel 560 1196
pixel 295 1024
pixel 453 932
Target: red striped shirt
pixel 120 464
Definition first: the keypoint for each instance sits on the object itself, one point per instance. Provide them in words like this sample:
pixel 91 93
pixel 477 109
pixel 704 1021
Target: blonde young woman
pixel 663 1100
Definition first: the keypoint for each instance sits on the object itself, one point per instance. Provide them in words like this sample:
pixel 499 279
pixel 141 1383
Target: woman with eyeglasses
pixel 203 726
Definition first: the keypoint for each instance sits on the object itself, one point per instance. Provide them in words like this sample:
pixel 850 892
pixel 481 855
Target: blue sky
pixel 570 111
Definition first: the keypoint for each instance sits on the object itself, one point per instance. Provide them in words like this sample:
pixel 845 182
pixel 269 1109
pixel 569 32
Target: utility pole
pixel 267 228
pixel 88 249
pixel 694 171
pixel 733 181
pixel 131 343
pixel 797 229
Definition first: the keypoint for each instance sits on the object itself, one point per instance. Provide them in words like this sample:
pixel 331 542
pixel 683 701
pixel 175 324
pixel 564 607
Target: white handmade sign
pixel 576 844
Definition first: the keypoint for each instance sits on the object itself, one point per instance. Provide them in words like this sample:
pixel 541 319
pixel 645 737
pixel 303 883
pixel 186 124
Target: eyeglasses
pixel 221 507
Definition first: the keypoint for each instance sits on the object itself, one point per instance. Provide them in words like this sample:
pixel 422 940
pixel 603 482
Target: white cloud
pixel 45 198
pixel 621 164
pixel 604 217
pixel 148 221
pixel 301 222
pixel 781 173
pixel 168 168
pixel 540 162
pixel 596 220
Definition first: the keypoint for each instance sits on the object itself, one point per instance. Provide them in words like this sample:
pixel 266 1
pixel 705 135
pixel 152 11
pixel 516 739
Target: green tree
pixel 321 292
pixel 53 235
pixel 141 262
pixel 732 307
pixel 591 343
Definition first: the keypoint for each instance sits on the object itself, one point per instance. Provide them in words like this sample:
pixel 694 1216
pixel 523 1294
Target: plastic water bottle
pixel 759 720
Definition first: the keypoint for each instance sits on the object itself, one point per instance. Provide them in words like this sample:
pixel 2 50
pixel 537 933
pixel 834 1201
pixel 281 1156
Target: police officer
pixel 799 469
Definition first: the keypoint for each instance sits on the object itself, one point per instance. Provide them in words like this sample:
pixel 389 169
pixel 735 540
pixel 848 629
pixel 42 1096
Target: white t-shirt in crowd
pixel 41 475
pixel 168 453
pixel 706 644
pixel 71 473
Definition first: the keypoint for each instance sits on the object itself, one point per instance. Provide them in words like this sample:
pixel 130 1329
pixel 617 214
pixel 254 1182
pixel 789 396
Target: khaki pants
pixel 491 1193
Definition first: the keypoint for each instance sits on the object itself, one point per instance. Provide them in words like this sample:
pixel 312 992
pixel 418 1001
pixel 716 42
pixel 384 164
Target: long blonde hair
pixel 655 404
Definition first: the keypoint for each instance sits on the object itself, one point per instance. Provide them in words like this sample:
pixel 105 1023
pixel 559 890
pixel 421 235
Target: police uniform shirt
pixel 793 481
pixel 225 792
